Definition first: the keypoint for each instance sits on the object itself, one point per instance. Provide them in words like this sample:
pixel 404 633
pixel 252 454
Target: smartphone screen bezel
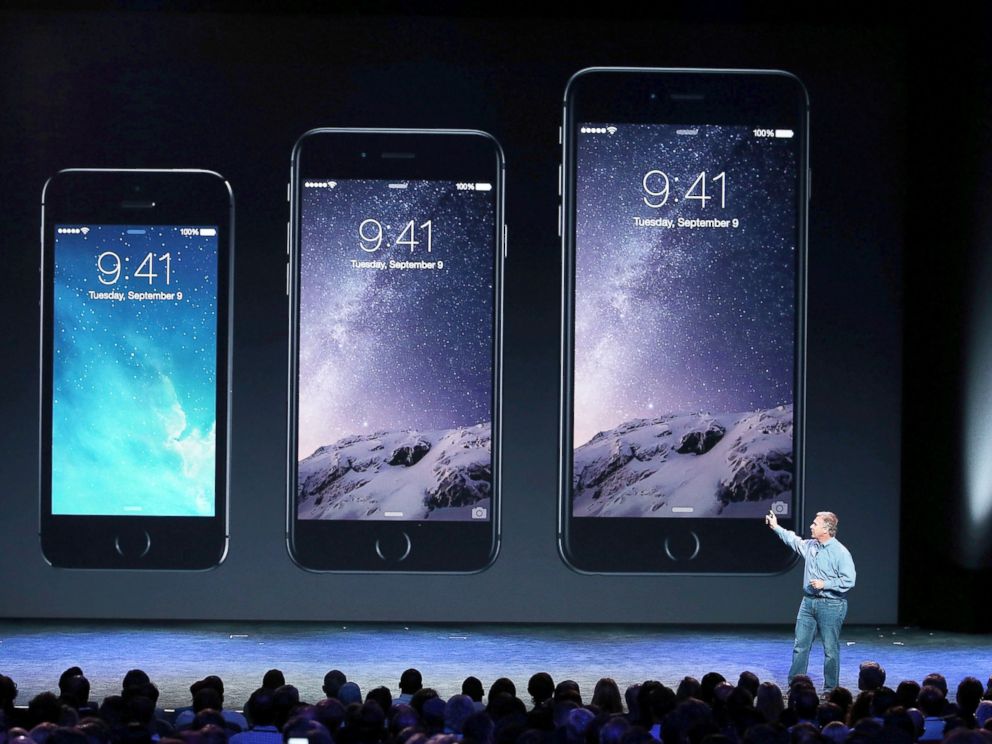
pixel 139 197
pixel 450 155
pixel 692 97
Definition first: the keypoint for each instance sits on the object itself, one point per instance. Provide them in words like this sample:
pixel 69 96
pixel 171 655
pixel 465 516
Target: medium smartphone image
pixel 136 310
pixel 684 208
pixel 395 284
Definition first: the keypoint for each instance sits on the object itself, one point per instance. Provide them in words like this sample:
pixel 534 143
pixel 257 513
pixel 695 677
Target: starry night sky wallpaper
pixel 674 320
pixel 388 349
pixel 134 380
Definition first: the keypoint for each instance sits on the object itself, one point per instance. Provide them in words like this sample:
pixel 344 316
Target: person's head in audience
pixel 382 696
pixel 432 715
pixel 568 689
pixel 612 732
pixel 272 679
pixel 44 708
pixel 931 701
pixel 207 698
pixel 304 728
pixel 827 712
pixel 969 695
pixel 561 710
pixel 411 681
pixel 329 712
pixel 332 683
pixel 835 731
pixel 898 726
pixel 860 708
pixel 541 688
pixel 749 681
pixel 472 686
pixel 207 717
pixel 983 712
pixel 212 733
pixel 707 684
pixel 41 731
pixel 935 679
pixel 73 671
pixel 261 709
pixel 606 696
pixel 576 724
pixel 842 697
pixel 804 702
pixel 286 698
pixel 420 697
pixel 883 699
pixel 630 696
pixel 691 720
pixel 74 691
pixel 769 701
pixel 499 686
pixel 67 735
pixel 478 728
pixel 871 675
pixel 134 677
pixel 907 692
pixel 688 688
pixel 456 710
pixel 403 716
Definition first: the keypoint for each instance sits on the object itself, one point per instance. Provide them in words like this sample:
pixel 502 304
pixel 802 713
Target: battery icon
pixel 784 133
pixel 483 187
pixel 208 231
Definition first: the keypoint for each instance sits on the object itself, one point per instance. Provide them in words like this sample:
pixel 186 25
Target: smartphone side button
pixel 393 548
pixel 559 220
pixel 682 547
pixel 505 249
pixel 288 237
pixel 133 544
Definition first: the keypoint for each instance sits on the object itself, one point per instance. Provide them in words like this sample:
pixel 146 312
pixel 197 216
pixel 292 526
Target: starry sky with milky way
pixel 387 350
pixel 134 382
pixel 675 320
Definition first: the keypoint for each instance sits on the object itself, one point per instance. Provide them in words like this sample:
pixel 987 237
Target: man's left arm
pixel 845 573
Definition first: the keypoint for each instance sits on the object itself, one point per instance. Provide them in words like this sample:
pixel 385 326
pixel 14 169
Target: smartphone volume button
pixel 559 180
pixel 559 221
pixel 287 280
pixel 505 244
pixel 289 235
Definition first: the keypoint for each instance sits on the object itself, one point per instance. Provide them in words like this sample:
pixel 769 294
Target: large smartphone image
pixel 135 368
pixel 395 284
pixel 684 208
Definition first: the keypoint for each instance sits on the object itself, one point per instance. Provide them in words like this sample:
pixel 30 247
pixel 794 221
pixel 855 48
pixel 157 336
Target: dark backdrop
pixel 232 92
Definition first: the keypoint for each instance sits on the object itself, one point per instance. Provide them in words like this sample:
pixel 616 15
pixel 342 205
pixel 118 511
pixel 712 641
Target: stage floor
pixel 35 653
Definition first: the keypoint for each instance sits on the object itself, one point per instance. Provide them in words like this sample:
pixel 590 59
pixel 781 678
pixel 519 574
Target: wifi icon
pixel 84 230
pixel 611 130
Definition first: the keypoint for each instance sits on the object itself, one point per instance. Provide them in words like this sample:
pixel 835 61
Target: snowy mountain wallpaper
pixel 396 350
pixel 135 372
pixel 684 321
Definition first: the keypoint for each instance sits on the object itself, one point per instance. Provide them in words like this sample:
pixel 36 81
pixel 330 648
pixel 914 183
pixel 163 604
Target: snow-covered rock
pixel 421 474
pixel 731 464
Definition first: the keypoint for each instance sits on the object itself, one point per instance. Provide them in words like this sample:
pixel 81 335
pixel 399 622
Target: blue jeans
pixel 826 616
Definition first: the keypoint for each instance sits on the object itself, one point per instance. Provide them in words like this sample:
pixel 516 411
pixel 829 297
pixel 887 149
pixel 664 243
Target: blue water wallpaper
pixel 134 371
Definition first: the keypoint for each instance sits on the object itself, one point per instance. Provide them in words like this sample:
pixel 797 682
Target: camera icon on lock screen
pixel 479 512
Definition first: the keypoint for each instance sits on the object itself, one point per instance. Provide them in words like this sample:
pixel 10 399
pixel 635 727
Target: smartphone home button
pixel 393 548
pixel 133 544
pixel 683 546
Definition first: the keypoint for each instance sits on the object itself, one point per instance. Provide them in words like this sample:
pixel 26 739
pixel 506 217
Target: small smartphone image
pixel 684 208
pixel 136 310
pixel 395 284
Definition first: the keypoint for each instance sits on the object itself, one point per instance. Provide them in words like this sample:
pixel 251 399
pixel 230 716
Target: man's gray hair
pixel 829 521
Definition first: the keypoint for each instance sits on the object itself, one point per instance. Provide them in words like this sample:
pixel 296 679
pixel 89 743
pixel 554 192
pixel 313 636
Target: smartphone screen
pixel 397 320
pixel 686 258
pixel 134 370
pixel 684 225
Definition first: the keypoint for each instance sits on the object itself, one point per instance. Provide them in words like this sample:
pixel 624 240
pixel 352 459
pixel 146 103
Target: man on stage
pixel 828 576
